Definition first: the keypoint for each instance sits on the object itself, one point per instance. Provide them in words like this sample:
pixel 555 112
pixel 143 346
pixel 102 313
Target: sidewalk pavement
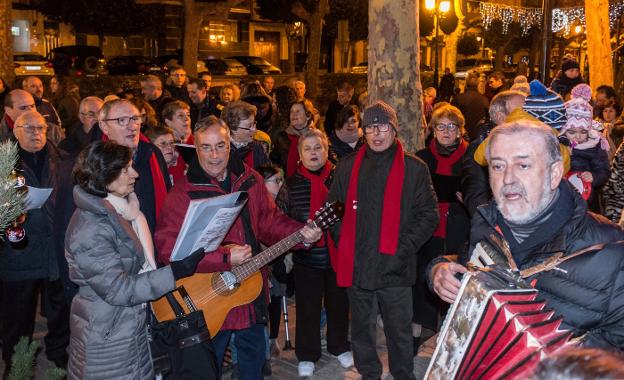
pixel 284 367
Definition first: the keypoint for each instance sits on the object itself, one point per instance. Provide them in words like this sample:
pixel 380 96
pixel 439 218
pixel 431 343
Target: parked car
pixel 225 66
pixel 78 60
pixel 131 64
pixel 164 62
pixel 480 65
pixel 257 65
pixel 32 64
pixel 360 68
pixel 426 72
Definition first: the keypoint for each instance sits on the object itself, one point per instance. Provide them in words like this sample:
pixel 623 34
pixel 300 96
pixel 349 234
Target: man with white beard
pixel 540 216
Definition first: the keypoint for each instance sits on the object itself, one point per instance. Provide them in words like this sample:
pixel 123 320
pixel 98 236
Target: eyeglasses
pixel 178 75
pixel 89 114
pixel 276 181
pixel 32 129
pixel 379 127
pixel 219 148
pixel 164 145
pixel 448 127
pixel 183 116
pixel 125 120
pixel 252 127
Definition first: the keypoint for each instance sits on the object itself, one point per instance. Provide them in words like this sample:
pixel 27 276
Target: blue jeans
pixel 250 347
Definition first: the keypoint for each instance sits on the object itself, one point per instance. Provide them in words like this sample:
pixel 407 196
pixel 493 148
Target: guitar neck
pixel 256 262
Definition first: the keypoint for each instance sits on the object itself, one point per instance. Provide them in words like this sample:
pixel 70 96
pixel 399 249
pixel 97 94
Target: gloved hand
pixel 186 267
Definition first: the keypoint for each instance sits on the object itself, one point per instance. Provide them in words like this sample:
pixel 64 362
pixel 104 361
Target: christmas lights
pixel 562 18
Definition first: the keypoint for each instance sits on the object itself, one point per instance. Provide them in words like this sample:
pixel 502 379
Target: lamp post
pixel 439 7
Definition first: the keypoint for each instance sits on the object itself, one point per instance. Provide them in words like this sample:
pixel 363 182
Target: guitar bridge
pixel 229 280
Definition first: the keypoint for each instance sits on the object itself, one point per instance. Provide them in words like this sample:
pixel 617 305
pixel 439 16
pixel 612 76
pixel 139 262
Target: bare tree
pixel 598 43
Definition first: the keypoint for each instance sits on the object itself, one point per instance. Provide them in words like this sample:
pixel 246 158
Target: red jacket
pixel 268 224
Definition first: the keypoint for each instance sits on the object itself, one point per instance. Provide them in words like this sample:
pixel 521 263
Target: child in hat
pixel 590 167
pixel 567 78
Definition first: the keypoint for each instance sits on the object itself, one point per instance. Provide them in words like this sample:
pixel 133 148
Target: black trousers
pixel 18 309
pixel 395 305
pixel 313 288
pixel 275 315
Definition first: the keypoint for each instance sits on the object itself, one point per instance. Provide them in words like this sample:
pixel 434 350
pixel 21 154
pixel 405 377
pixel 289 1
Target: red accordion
pixel 497 328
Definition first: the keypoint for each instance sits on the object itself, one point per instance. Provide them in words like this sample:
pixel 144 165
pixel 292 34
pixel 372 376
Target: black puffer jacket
pixel 474 184
pixel 294 200
pixel 588 291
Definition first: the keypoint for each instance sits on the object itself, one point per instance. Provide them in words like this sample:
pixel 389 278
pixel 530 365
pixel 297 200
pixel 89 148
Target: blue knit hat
pixel 545 105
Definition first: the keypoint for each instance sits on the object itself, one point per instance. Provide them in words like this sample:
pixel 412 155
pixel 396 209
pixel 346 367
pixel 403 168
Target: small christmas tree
pixel 11 199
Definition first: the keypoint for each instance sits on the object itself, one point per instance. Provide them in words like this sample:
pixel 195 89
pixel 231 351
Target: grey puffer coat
pixel 108 316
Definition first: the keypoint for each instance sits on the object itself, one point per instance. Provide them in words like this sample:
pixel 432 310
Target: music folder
pixel 207 222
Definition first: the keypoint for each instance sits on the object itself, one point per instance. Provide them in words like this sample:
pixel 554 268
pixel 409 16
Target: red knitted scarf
pixel 318 190
pixel 444 167
pixel 391 214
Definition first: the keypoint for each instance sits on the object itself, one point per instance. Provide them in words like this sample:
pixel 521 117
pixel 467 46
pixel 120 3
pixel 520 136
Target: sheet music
pixel 36 197
pixel 206 223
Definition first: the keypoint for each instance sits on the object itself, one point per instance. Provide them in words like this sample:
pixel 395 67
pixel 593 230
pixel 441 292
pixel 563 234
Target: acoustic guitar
pixel 218 293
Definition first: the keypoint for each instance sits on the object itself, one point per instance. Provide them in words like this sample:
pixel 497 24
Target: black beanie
pixel 569 64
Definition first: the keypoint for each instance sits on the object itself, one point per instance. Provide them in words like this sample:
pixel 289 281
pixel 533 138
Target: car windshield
pixel 28 57
pixel 257 61
pixel 232 63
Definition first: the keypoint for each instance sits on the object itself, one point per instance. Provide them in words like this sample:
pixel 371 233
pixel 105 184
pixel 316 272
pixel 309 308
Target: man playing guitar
pixel 216 173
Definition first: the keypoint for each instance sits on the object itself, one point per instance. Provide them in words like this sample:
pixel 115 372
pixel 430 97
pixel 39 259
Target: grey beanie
pixel 380 112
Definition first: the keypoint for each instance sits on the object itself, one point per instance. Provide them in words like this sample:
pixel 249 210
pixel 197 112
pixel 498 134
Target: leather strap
pixel 557 259
pixel 194 339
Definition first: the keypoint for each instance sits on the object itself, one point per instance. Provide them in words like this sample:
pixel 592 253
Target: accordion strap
pixel 557 259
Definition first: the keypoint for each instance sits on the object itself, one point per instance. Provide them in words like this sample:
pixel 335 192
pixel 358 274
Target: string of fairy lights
pixel 562 18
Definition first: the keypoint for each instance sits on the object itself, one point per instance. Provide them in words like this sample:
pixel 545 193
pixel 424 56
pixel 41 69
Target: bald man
pixel 80 136
pixel 38 265
pixel 16 103
pixel 34 86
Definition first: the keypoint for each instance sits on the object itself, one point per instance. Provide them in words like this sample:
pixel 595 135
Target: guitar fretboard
pixel 263 258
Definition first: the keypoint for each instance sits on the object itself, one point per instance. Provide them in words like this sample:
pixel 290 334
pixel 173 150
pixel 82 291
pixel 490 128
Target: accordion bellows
pixel 497 328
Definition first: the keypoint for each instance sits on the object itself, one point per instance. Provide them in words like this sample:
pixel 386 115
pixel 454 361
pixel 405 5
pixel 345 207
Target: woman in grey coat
pixel 110 255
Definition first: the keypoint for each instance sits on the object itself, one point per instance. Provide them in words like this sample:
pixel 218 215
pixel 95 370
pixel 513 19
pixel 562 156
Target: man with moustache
pixel 35 267
pixel 541 216
pixel 390 212
pixel 217 172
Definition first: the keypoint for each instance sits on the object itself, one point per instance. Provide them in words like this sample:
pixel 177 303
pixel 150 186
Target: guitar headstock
pixel 329 214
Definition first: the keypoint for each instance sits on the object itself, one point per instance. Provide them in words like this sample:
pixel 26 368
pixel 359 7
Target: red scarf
pixel 178 171
pixel 293 155
pixel 444 167
pixel 318 196
pixel 391 214
pixel 158 181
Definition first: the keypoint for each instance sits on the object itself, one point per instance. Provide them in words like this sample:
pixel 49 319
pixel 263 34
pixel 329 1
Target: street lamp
pixel 439 7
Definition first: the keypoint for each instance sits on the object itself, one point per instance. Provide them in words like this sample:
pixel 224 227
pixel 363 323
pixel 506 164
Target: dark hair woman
pixel 285 152
pixel 110 254
pixel 315 280
pixel 347 136
pixel 443 156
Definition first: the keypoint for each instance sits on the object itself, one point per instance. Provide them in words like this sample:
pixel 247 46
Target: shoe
pixel 345 359
pixel 305 369
pixel 266 368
